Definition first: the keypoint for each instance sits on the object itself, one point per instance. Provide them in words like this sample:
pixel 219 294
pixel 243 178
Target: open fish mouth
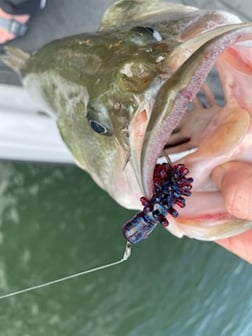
pixel 144 95
pixel 188 120
pixel 187 136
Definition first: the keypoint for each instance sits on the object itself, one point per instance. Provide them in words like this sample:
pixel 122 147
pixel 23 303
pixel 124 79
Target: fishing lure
pixel 170 185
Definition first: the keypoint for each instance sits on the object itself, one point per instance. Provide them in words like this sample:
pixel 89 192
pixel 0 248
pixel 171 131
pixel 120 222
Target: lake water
pixel 55 221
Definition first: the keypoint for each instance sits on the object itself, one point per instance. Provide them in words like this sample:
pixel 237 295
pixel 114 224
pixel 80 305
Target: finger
pixel 240 245
pixel 234 179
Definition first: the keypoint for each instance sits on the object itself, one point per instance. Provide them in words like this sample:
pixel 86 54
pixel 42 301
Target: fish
pixel 136 91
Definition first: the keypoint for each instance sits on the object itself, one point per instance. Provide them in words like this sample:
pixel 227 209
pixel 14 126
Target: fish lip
pixel 165 117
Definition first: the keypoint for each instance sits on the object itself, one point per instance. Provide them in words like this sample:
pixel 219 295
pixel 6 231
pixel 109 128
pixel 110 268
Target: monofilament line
pixel 126 255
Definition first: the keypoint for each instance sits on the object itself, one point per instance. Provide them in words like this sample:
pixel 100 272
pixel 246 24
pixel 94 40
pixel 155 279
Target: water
pixel 55 221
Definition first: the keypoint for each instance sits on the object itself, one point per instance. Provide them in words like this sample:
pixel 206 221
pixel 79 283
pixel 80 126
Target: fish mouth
pixel 173 100
pixel 179 103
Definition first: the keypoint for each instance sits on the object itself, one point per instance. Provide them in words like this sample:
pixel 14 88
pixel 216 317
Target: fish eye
pixel 144 35
pixel 98 127
pixel 157 36
pixel 98 118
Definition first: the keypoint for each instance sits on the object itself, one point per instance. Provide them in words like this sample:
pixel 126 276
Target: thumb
pixel 234 180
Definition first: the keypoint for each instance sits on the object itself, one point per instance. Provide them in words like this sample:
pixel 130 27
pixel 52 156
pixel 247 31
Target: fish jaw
pixel 202 39
pixel 226 137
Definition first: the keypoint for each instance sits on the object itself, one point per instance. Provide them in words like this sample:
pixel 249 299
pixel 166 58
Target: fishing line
pixel 126 255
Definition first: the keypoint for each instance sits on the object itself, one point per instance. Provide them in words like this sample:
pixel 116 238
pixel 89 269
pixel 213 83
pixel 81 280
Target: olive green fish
pixel 128 94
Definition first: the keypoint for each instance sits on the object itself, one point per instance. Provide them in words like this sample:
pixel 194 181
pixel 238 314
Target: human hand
pixel 234 179
pixel 6 34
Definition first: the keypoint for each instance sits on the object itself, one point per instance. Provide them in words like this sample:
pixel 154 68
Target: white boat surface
pixel 26 133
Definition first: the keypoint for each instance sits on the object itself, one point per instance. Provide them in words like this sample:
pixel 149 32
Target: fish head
pixel 100 87
pixel 128 94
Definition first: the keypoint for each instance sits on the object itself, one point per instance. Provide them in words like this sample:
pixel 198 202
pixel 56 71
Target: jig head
pixel 170 185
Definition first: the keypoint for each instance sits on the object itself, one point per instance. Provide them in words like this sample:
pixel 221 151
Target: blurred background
pixel 55 221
